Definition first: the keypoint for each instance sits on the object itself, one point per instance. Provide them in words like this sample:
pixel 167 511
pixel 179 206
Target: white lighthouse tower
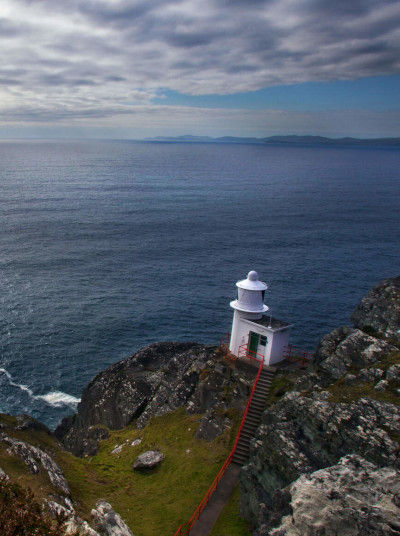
pixel 254 334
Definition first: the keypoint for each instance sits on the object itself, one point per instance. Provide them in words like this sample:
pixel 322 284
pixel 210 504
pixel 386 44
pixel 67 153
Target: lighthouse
pixel 255 334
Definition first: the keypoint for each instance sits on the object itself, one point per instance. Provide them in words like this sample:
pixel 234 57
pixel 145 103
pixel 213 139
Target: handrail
pixel 244 351
pixel 294 353
pixel 187 527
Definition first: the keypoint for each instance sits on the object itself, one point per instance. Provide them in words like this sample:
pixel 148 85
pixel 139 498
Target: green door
pixel 254 339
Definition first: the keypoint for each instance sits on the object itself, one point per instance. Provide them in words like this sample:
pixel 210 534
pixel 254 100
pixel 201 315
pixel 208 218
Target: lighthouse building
pixel 256 334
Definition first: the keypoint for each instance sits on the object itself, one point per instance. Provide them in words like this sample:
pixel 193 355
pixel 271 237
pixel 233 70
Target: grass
pixel 280 384
pixel 344 392
pixel 151 503
pixel 230 523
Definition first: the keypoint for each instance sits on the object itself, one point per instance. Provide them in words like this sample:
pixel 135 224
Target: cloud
pixel 102 57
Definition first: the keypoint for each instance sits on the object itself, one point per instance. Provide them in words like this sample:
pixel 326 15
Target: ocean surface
pixel 106 246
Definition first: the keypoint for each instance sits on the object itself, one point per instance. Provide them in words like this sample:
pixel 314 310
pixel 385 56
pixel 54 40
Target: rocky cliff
pixel 156 380
pixel 328 448
pixel 324 462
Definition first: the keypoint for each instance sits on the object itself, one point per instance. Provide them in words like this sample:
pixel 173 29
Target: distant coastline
pixel 282 140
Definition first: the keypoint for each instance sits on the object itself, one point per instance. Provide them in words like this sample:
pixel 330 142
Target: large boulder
pixel 148 460
pixel 351 498
pixel 379 312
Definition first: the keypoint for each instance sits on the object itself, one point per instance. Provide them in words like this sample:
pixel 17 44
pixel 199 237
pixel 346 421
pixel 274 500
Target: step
pixel 256 407
pixel 244 451
pixel 251 431
pixel 259 401
pixel 240 461
pixel 262 389
pixel 253 421
pixel 253 416
pixel 258 398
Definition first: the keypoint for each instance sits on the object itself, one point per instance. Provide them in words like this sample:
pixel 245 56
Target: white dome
pixel 252 276
pixel 252 282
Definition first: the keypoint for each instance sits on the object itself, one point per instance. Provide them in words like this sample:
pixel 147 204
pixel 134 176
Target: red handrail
pixel 187 527
pixel 244 351
pixel 293 353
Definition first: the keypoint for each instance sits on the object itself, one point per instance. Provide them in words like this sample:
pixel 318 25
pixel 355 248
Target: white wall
pixel 280 340
pixel 272 352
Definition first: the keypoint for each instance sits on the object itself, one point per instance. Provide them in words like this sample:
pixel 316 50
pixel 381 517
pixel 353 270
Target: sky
pixel 144 68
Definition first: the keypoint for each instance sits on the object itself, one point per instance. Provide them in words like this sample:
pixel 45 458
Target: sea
pixel 108 246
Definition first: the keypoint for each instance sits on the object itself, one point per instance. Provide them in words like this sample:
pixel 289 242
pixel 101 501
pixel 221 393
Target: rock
pixel 148 460
pixel 136 442
pixel 74 525
pixel 348 499
pixel 26 422
pixel 212 425
pixel 35 457
pixel 3 475
pixel 117 449
pixel 378 313
pixel 301 434
pixel 345 348
pixel 107 522
pixel 156 380
pixel 370 374
pixel 382 385
pixel 350 378
pixel 393 373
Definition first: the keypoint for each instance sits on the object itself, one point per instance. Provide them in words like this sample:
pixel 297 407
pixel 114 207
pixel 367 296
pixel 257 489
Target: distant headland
pixel 282 140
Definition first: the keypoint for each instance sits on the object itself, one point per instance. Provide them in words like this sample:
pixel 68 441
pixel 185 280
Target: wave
pixel 55 399
pixel 58 399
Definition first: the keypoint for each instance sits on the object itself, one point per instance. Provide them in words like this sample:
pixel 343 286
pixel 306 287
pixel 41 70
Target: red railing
pixel 293 353
pixel 187 527
pixel 245 352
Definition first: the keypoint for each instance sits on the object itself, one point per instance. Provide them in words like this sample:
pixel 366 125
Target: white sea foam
pixel 56 399
pixel 19 385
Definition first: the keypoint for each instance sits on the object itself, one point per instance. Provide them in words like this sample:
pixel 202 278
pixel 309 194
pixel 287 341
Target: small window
pixel 263 340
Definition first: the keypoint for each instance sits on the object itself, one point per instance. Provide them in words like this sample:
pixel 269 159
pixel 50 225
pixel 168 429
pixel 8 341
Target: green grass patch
pixel 280 385
pixel 388 361
pixel 155 502
pixel 230 523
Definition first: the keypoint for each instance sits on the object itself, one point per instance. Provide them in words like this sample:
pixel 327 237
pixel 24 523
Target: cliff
pixel 332 442
pixel 325 460
pixel 157 380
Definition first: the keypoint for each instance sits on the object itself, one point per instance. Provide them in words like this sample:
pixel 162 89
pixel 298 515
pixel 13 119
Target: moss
pixel 230 522
pixel 280 385
pixel 387 361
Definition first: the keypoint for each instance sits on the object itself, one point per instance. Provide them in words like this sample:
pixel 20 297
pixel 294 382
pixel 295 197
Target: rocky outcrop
pixel 107 522
pixel 148 460
pixel 157 379
pixel 73 524
pixel 34 458
pixel 348 404
pixel 379 312
pixel 346 348
pixel 301 434
pixel 351 498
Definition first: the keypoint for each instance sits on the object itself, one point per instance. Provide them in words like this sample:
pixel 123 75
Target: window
pixel 263 340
